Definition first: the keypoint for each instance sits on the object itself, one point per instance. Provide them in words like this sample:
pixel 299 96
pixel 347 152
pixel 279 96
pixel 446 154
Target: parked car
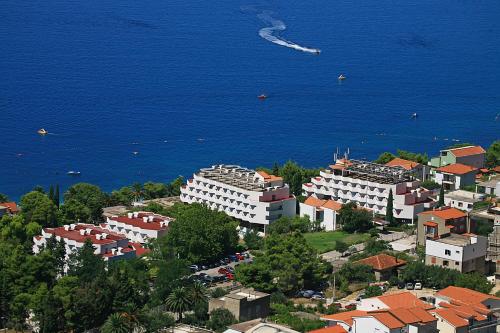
pixel 233 258
pixel 230 276
pixel 208 278
pixel 221 262
pixel 337 304
pixel 204 267
pixel 229 269
pixel 194 268
pixel 351 306
pixel 409 286
pixel 220 278
pixel 222 270
pixel 318 297
pixel 401 285
pixel 247 255
pixel 227 260
pixel 308 293
pixel 418 286
pixel 239 256
pixel 360 297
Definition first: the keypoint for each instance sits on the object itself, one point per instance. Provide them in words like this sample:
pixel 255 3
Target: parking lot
pixel 212 277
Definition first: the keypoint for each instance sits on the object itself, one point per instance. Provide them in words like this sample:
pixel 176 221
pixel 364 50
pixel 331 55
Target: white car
pixel 418 286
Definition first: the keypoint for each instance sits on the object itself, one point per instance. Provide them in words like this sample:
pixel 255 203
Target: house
pixel 420 171
pixel 253 197
pixel 463 200
pixel 473 156
pixel 244 304
pixel 437 223
pixel 258 326
pixel 368 185
pixel 8 208
pixel 392 301
pixel 464 253
pixel 109 245
pixel 138 226
pixel 455 176
pixel 467 296
pixel 489 187
pixel 383 265
pixel 321 211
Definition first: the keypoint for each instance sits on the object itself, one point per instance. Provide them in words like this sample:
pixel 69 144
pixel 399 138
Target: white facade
pixel 463 200
pixel 247 195
pixel 138 226
pixel 368 184
pixel 109 245
pixel 371 324
pixel 323 211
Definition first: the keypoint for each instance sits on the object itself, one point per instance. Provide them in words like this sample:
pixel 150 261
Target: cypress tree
pixel 51 193
pixel 276 169
pixel 389 213
pixel 441 197
pixel 56 196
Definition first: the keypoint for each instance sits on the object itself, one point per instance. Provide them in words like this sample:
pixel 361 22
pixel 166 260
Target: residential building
pixel 463 200
pixel 392 301
pixel 111 246
pixel 419 171
pixel 490 187
pixel 9 208
pixel 384 266
pixel 244 304
pixel 466 296
pixel 437 223
pixel 254 197
pixel 493 254
pixel 455 176
pixel 259 326
pixel 138 226
pixel 368 185
pixel 464 253
pixel 473 156
pixel 321 211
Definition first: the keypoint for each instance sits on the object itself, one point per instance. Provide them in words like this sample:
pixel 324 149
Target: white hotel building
pixel 254 197
pixel 138 226
pixel 368 184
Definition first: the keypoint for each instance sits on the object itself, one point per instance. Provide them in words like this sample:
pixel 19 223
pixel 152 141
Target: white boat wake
pixel 272 33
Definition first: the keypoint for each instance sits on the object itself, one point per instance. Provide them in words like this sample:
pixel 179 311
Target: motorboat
pixel 74 173
pixel 414 115
pixel 342 77
pixel 317 51
pixel 262 97
pixel 42 131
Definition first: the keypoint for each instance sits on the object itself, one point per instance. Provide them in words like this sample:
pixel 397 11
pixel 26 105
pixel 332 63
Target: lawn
pixel 325 241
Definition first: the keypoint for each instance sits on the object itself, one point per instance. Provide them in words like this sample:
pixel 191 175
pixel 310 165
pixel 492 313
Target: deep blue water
pixel 108 78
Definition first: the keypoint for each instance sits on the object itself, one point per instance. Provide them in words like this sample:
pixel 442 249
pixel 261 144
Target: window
pixel 445 263
pixel 447 252
pixel 456 263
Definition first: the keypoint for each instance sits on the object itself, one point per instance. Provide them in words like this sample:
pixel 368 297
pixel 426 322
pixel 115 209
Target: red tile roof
pixel 405 164
pixel 464 295
pixel 445 213
pixel 139 249
pixel 467 151
pixel 94 230
pixel 388 320
pixel 381 262
pixel 451 317
pixel 319 203
pixel 139 221
pixel 267 177
pixel 11 206
pixel 403 300
pixel 456 169
pixel 330 329
pixel 345 317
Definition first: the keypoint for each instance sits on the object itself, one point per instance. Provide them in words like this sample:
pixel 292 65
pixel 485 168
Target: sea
pixel 132 91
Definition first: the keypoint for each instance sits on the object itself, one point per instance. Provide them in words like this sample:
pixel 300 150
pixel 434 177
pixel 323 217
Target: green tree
pixel 38 208
pixel 74 211
pixel 441 197
pixel 389 213
pixel 51 193
pixel 57 199
pixel 89 196
pixel 385 158
pixel 123 196
pixel 220 319
pixel 285 225
pixel 175 186
pixel 85 264
pixel 493 154
pixel 4 197
pixel 373 291
pixel 199 294
pixel 276 169
pixel 430 184
pixel 116 323
pixel 354 219
pixel 474 281
pixel 155 190
pixel 419 158
pixel 200 234
pixel 252 240
pixel 179 301
pixel 156 320
pixel 341 246
pixel 483 227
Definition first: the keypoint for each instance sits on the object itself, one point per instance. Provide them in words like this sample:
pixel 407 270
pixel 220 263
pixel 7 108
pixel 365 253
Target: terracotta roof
pixel 268 177
pixel 403 315
pixel 77 237
pixel 139 249
pixel 403 300
pixel 467 151
pixel 445 213
pixel 345 317
pixel 456 169
pixel 423 316
pixel 467 296
pixel 388 320
pixel 11 206
pixel 330 329
pixel 496 169
pixel 319 203
pixel 381 262
pixel 430 224
pixel 405 164
pixel 451 317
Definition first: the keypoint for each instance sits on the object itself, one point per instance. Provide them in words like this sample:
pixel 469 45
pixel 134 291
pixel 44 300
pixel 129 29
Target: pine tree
pixel 51 193
pixel 441 197
pixel 56 196
pixel 389 214
pixel 276 169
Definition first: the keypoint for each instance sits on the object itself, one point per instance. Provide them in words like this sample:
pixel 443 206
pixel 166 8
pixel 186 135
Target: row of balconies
pixel 217 198
pixel 205 185
pixel 232 211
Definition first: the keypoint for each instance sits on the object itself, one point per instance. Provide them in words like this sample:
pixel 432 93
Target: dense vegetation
pixel 293 174
pixel 386 157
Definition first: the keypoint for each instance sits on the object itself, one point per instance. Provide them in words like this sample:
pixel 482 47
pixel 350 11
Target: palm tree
pixel 137 190
pixel 179 301
pixel 199 293
pixel 116 323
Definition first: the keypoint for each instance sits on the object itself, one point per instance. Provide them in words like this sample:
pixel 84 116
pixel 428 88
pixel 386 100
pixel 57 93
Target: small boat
pixel 42 131
pixel 74 173
pixel 342 77
pixel 262 97
pixel 317 51
pixel 135 152
pixel 414 115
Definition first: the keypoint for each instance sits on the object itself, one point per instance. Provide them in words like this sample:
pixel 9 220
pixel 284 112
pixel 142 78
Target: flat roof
pixel 378 173
pixel 462 195
pixel 455 239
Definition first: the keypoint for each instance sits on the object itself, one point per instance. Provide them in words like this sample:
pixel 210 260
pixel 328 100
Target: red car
pixel 351 306
pixel 239 256
pixel 229 276
pixel 222 270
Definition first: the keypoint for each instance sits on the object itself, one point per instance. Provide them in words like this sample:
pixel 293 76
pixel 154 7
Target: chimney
pixel 119 251
pixel 113 251
pixel 136 214
pixel 72 226
pixel 145 219
pixel 104 235
pixel 88 231
pixel 151 218
pixel 82 232
pixel 98 236
pixel 66 227
pixel 130 215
